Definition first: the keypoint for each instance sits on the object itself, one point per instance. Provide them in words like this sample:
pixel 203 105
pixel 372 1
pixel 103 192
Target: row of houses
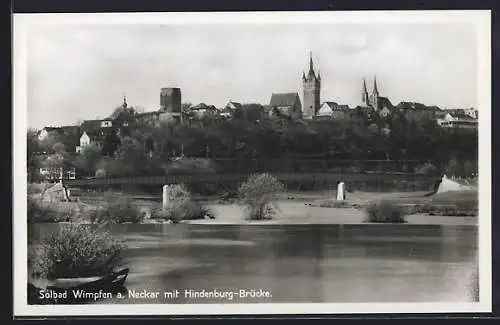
pixel 414 112
pixel 287 104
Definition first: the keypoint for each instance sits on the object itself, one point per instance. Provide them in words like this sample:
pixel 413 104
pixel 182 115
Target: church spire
pixel 311 75
pixel 124 105
pixel 375 89
pixel 311 67
pixel 364 93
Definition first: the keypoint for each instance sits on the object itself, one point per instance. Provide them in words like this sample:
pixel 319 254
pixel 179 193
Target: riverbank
pixel 307 208
pixel 299 214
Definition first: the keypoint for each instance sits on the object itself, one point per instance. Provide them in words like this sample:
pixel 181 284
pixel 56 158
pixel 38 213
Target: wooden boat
pixel 78 291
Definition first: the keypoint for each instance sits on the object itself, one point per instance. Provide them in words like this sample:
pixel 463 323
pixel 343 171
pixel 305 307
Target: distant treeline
pixel 276 144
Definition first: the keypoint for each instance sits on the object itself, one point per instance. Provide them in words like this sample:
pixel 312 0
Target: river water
pixel 189 263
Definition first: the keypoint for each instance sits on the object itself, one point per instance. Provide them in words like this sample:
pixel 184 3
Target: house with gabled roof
pixel 327 108
pixel 203 109
pixel 286 104
pixel 94 131
pixel 230 109
pixel 59 130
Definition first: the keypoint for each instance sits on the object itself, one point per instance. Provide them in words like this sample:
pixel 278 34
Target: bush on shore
pixel 115 210
pixel 334 204
pixel 39 211
pixel 385 212
pixel 123 210
pixel 456 210
pixel 37 188
pixel 258 195
pixel 76 250
pixel 181 206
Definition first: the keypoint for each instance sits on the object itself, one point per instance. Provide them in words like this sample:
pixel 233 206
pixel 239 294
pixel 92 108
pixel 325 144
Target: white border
pixel 22 22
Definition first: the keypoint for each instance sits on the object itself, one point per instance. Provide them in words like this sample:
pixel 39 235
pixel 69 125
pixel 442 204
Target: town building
pixel 327 109
pixel 94 131
pixel 57 131
pixel 457 119
pixel 230 109
pixel 170 104
pixel 203 109
pixel 311 84
pixel 286 104
pixel 381 105
pixel 417 112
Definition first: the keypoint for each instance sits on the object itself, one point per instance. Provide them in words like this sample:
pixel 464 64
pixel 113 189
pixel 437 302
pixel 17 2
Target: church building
pixel 379 104
pixel 311 84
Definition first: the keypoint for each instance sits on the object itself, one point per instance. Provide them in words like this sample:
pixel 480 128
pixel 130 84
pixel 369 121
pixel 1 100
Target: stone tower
pixel 312 87
pixel 170 100
pixel 365 99
pixel 375 95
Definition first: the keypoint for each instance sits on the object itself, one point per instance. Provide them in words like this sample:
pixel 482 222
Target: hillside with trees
pixel 246 143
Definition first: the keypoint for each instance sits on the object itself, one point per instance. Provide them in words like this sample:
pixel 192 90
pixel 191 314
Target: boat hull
pixel 101 288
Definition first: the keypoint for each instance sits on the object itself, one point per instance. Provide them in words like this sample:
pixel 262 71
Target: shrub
pixel 385 212
pixel 75 250
pixel 334 204
pixel 98 216
pixel 37 188
pixel 425 169
pixel 257 195
pixel 123 210
pixel 456 210
pixel 181 206
pixel 39 211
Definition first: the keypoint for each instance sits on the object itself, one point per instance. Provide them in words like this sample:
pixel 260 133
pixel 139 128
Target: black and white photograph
pixel 229 163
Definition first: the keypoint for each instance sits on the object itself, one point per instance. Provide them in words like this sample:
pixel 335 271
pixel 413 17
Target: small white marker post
pixel 341 191
pixel 165 197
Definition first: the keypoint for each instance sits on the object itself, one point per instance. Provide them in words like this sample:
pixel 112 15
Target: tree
pixel 89 158
pixel 59 148
pixel 33 149
pixel 110 143
pixel 47 144
pixel 258 194
pixel 131 156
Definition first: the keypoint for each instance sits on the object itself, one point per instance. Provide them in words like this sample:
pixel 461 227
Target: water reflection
pixel 300 263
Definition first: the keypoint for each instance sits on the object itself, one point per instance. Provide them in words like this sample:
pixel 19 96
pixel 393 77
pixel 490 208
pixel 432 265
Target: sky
pixel 79 72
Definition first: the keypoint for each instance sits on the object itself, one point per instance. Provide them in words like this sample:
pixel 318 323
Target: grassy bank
pixel 309 207
pixel 456 203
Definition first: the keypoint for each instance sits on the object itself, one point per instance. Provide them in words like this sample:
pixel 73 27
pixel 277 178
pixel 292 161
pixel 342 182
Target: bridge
pixel 231 178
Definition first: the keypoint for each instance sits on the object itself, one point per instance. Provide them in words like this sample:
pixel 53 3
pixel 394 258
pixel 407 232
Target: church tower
pixel 375 95
pixel 365 100
pixel 311 84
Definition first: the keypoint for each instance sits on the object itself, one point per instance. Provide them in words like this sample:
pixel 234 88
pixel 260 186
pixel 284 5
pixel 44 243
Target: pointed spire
pixel 375 89
pixel 311 74
pixel 303 75
pixel 319 77
pixel 311 68
pixel 364 86
pixel 124 101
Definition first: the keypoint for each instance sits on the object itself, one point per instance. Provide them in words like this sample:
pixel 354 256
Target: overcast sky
pixel 83 72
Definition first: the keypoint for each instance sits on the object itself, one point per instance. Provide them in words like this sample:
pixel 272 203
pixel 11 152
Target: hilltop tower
pixel 311 84
pixel 170 100
pixel 375 95
pixel 365 99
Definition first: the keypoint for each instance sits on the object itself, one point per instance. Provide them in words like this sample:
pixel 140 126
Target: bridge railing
pixel 222 178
